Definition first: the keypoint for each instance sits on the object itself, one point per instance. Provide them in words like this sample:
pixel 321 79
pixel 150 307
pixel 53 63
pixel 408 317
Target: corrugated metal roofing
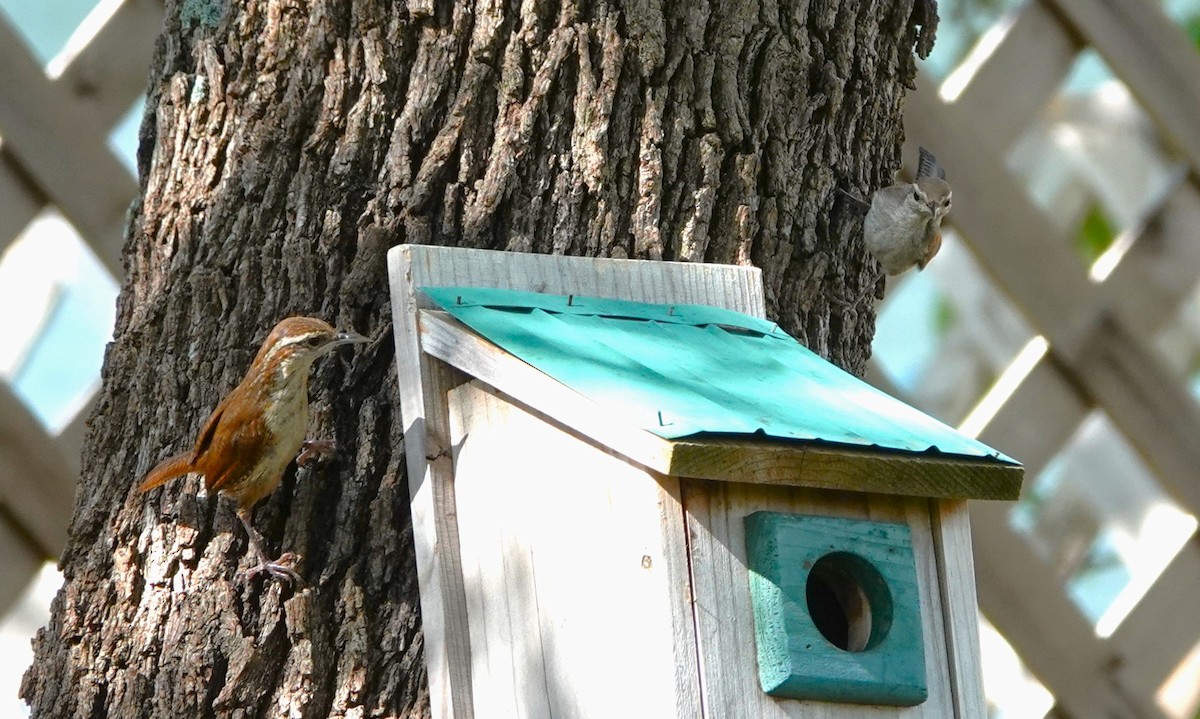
pixel 684 370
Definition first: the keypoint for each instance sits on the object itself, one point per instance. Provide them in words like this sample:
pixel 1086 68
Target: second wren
pixel 903 228
pixel 253 434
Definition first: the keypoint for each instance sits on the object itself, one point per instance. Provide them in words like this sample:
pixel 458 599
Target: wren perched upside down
pixel 253 434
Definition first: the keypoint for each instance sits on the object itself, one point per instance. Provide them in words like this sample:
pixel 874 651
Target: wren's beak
pixel 347 338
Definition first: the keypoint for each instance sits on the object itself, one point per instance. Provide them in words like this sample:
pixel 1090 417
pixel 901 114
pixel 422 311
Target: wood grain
pixel 868 566
pixel 575 568
pixel 725 620
pixel 860 470
pixel 951 536
pixel 444 608
pixel 423 383
pixel 734 287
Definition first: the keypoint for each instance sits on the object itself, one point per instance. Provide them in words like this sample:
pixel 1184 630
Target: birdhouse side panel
pixel 952 538
pixel 574 570
pixel 715 515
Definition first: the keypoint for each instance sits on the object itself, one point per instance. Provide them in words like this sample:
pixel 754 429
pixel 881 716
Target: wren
pixel 903 227
pixel 253 434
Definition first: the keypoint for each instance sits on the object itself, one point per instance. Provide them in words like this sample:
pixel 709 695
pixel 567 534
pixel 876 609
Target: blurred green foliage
pixel 944 316
pixel 1096 233
pixel 1192 26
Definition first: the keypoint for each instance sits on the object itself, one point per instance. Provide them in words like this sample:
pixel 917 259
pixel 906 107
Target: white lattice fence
pixel 53 152
pixel 1099 334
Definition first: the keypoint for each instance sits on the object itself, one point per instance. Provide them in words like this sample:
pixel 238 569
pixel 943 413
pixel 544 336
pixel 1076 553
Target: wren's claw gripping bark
pixel 254 432
pixel 315 451
pixel 277 568
pixel 903 227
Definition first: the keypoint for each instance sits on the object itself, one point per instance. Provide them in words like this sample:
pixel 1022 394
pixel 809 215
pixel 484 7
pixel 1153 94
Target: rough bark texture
pixel 287 145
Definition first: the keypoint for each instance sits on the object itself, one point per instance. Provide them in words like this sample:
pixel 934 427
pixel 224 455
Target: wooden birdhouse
pixel 633 496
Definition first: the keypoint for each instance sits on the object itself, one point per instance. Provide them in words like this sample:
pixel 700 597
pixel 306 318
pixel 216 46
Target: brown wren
pixel 253 434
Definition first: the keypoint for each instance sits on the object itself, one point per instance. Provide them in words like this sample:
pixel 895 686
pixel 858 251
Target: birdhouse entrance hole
pixel 849 601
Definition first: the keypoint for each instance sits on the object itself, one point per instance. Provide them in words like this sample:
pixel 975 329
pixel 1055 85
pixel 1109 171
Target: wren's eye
pixel 946 202
pixel 916 196
pixel 314 341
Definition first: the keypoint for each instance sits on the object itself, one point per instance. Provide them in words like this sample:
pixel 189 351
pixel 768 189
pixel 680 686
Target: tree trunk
pixel 287 144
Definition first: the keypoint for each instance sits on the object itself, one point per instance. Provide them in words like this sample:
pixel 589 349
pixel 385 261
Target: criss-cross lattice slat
pixel 54 152
pixel 1099 335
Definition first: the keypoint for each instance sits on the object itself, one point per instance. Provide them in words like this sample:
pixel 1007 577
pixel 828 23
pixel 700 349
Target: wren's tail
pixel 166 470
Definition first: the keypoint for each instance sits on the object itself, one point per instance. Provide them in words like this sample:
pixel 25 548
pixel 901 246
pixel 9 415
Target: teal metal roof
pixel 684 370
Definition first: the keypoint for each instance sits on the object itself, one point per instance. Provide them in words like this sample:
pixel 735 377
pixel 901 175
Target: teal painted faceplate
pixel 796 659
pixel 684 370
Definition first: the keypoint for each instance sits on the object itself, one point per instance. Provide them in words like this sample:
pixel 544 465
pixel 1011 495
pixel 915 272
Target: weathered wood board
pixel 725 618
pixel 424 381
pixel 574 569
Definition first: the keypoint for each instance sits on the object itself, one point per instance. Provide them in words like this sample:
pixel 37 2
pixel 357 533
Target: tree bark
pixel 287 144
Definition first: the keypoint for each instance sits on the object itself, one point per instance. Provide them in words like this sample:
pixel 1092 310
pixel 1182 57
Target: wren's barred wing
pixel 928 165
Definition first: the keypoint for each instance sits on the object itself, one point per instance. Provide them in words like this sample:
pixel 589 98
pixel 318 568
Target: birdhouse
pixel 634 496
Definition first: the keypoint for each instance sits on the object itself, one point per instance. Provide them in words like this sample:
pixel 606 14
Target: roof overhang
pixel 749 459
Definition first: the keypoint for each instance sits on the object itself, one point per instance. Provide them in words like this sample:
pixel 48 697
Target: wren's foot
pixel 313 451
pixel 277 569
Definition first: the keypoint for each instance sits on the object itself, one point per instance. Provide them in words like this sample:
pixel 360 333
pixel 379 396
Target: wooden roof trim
pixel 780 462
